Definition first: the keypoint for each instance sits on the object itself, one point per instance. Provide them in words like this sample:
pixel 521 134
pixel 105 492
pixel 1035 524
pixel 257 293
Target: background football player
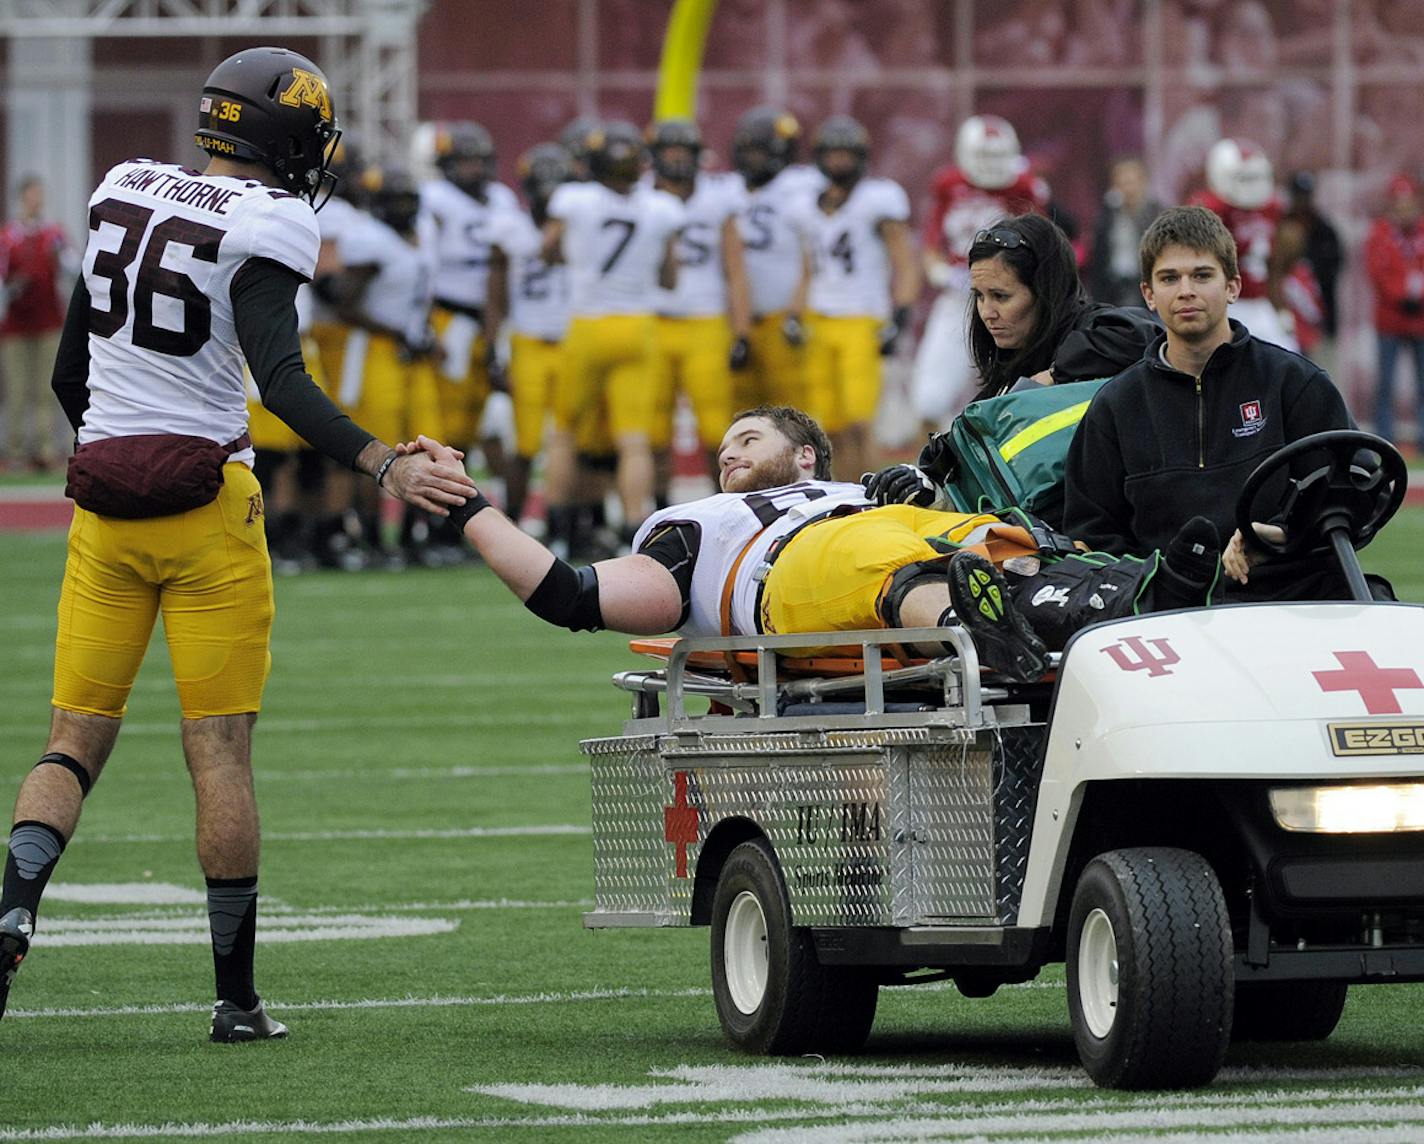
pixel 1241 189
pixel 462 201
pixel 764 150
pixel 529 301
pixel 989 179
pixel 385 292
pixel 704 321
pixel 859 280
pixel 617 238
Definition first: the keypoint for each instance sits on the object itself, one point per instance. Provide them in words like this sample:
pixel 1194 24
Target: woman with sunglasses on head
pixel 1030 320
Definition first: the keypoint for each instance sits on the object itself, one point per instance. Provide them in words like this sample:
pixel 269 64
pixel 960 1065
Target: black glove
pixel 936 458
pixel 1411 306
pixel 901 484
pixel 891 331
pixel 793 331
pixel 740 354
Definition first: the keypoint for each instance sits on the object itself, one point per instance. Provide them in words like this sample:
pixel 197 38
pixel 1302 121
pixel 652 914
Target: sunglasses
pixel 1002 236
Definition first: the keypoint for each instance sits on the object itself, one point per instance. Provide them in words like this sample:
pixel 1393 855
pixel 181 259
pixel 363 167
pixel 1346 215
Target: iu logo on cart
pixel 680 821
pixel 1376 685
pixel 1133 654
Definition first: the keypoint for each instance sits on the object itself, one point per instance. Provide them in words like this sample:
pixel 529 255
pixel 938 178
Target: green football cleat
pixel 1005 641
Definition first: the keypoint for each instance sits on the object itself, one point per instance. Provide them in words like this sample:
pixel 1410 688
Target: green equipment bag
pixel 1010 450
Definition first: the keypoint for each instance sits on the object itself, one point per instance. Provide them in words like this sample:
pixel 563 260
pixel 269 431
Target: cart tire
pixel 1150 980
pixel 773 996
pixel 1287 1010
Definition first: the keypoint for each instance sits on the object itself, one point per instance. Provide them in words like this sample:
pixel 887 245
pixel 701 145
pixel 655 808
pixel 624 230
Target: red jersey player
pixel 988 180
pixel 1241 190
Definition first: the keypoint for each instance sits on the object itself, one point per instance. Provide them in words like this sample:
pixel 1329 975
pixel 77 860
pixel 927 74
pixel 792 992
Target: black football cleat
pixel 16 929
pixel 232 1025
pixel 1006 642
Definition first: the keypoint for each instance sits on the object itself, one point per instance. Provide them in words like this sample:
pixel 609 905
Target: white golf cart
pixel 1214 817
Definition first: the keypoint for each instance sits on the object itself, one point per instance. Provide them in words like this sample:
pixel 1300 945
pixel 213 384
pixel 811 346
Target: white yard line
pixel 435 1002
pixel 364 835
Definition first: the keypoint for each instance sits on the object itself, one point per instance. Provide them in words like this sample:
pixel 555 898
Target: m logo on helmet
pixel 307 90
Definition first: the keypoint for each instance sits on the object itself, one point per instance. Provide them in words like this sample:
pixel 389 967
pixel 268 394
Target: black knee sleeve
pixel 73 766
pixel 903 582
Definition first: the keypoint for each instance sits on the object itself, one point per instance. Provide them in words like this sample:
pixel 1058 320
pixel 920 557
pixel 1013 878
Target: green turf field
pixel 427 858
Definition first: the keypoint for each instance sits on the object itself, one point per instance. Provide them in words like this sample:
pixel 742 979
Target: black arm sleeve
pixel 264 309
pixel 70 380
pixel 675 546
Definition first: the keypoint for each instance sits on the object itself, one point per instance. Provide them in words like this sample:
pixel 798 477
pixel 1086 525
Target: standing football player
pixel 704 321
pixel 1241 190
pixel 185 275
pixel 617 238
pixel 764 152
pixel 859 280
pixel 385 291
pixel 462 202
pixel 988 180
pixel 529 300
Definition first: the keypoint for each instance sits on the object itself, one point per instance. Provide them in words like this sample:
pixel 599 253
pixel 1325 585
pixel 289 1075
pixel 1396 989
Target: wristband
pixel 461 513
pixel 384 467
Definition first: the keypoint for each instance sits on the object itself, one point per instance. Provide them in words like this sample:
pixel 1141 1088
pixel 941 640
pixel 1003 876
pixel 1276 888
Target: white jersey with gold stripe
pixel 771 243
pixel 850 267
pixel 614 245
pixel 732 522
pixel 538 292
pixel 701 290
pixel 399 295
pixel 164 245
pixel 463 237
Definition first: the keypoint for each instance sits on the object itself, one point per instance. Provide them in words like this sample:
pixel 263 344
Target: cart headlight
pixel 1350 809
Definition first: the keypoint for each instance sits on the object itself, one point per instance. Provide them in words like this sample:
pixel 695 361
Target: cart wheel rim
pixel 744 952
pixel 1098 973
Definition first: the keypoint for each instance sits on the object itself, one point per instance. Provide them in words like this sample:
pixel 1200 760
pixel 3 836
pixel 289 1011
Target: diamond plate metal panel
pixel 829 823
pixel 951 801
pixel 1018 766
pixel 629 785
pixel 885 827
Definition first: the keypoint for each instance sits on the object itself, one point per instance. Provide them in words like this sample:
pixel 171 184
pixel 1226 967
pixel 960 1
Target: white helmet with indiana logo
pixel 1238 171
pixel 986 150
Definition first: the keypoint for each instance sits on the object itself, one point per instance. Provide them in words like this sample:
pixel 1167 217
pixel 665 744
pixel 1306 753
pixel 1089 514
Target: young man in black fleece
pixel 1174 437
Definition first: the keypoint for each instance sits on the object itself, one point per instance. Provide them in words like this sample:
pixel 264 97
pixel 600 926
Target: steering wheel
pixel 1347 480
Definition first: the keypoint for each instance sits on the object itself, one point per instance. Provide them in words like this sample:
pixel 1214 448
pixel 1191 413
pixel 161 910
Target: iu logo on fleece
pixel 1253 419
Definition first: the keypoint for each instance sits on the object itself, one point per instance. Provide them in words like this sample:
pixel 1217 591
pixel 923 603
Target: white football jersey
pixel 538 292
pixel 399 295
pixel 463 228
pixel 850 267
pixel 701 289
pixel 614 245
pixel 771 243
pixel 728 522
pixel 164 244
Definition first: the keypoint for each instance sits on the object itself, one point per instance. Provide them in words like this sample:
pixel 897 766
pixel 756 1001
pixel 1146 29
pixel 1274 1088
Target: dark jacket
pixel 1158 446
pixel 1104 341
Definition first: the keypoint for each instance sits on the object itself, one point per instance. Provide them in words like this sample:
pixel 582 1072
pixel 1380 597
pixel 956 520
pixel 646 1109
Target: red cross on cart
pixel 680 821
pixel 1376 685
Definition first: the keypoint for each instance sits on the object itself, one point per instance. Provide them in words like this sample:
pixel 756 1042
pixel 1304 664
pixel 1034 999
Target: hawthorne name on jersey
pixel 191 192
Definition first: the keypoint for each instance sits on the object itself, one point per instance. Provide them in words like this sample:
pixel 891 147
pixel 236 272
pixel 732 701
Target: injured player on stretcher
pixel 783 549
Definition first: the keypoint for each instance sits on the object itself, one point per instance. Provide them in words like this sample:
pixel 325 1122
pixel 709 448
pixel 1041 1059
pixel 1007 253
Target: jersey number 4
pixel 153 278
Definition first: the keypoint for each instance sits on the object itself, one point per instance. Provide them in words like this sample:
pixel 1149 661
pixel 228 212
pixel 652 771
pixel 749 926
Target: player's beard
pixel 779 470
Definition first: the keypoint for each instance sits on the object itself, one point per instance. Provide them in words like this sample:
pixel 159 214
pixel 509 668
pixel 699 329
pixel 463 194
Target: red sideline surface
pixel 41 508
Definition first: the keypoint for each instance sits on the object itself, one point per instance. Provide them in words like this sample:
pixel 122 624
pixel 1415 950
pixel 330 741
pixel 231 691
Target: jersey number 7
pixel 153 278
pixel 628 226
